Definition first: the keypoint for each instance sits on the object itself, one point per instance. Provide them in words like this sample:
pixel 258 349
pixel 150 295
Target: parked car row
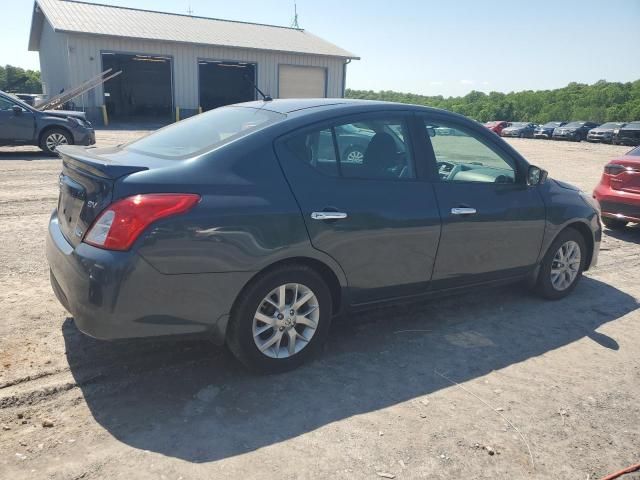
pixel 617 133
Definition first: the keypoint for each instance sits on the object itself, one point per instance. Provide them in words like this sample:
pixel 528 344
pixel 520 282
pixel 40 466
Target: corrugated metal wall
pixel 53 60
pixel 80 55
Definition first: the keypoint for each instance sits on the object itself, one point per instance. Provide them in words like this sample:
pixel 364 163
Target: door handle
pixel 463 211
pixel 328 215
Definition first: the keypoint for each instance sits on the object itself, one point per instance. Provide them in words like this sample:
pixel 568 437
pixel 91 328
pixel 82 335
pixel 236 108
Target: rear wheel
pixel 563 265
pixel 354 155
pixel 614 223
pixel 53 138
pixel 280 319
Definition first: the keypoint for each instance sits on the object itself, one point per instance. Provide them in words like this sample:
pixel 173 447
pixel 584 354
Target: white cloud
pixel 436 82
pixel 467 82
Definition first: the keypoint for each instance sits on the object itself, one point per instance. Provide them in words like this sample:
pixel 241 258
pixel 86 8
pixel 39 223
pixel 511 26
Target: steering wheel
pixel 445 168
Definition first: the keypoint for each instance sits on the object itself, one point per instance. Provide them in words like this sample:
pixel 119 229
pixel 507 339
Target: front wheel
pixel 280 319
pixel 53 138
pixel 614 223
pixel 562 266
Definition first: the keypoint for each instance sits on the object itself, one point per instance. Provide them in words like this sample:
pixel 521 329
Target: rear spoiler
pixel 80 158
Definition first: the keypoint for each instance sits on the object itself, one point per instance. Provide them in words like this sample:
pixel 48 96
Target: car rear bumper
pixel 618 203
pixel 599 138
pixel 119 294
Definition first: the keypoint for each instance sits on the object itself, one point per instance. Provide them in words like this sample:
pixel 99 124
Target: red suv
pixel 619 190
pixel 497 126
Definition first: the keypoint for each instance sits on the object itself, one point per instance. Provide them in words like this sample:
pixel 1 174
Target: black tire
pixel 544 285
pixel 54 132
pixel 614 223
pixel 240 331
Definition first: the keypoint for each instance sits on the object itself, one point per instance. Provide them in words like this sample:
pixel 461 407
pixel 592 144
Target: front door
pixel 370 211
pixel 492 222
pixel 15 126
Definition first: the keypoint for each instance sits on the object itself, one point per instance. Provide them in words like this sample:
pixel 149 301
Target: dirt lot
pixel 379 403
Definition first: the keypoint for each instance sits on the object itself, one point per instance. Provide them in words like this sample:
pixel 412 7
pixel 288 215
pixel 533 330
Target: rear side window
pixel 204 132
pixel 369 149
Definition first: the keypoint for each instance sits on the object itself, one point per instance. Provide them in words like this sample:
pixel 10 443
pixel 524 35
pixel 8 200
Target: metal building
pixel 176 64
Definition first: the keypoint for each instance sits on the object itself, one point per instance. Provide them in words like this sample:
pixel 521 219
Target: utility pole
pixel 190 11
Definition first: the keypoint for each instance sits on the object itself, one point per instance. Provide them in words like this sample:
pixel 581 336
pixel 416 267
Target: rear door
pixel 371 212
pixel 492 222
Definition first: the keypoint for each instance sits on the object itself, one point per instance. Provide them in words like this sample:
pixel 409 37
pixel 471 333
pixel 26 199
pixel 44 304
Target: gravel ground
pixel 435 390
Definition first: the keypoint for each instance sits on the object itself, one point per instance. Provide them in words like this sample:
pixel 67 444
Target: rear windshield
pixel 204 132
pixel 575 124
pixel 552 124
pixel 519 124
pixel 611 125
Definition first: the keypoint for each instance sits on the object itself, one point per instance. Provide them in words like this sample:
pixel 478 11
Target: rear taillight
pixel 613 169
pixel 122 222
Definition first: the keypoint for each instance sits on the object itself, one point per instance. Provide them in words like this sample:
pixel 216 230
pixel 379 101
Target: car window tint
pixel 316 149
pixel 461 157
pixel 375 149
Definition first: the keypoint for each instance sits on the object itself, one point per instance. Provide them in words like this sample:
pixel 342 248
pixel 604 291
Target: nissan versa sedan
pixel 235 224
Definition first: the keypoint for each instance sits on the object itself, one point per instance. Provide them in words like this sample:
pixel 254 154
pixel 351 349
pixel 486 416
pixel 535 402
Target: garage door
pixel 301 82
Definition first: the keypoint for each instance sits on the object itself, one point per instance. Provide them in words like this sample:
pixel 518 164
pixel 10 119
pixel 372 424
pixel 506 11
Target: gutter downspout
pixel 344 76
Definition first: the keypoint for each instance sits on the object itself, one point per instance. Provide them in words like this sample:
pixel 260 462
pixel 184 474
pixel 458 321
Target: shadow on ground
pixel 189 400
pixel 631 233
pixel 27 155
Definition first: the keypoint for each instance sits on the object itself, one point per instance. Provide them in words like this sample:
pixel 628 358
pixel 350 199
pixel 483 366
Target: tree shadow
pixel 189 400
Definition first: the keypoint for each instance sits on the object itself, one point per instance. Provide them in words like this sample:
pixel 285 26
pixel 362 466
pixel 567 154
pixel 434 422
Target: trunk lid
pixel 628 180
pixel 86 186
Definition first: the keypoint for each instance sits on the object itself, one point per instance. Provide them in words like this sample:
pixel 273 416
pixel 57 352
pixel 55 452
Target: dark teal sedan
pixel 252 224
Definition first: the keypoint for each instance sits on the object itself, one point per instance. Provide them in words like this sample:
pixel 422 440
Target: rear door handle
pixel 463 211
pixel 328 215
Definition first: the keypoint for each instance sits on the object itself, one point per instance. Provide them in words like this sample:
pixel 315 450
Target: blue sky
pixel 431 47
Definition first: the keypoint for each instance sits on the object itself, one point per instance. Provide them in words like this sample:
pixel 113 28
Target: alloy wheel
pixel 55 140
pixel 286 320
pixel 565 265
pixel 355 156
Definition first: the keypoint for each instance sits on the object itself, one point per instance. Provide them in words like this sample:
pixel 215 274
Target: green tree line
pixel 601 102
pixel 18 80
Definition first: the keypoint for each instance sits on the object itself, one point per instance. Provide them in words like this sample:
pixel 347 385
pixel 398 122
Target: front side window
pixel 463 157
pixel 369 149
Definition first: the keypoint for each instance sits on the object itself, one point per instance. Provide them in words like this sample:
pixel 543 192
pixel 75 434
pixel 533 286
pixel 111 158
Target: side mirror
pixel 536 175
pixel 16 109
pixel 431 131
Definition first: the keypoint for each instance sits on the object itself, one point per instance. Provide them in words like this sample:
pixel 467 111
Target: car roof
pixel 310 105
